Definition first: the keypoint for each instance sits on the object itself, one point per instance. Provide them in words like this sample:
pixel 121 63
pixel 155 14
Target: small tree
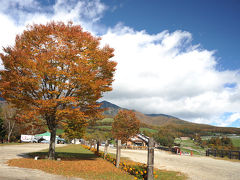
pixel 125 125
pixel 58 72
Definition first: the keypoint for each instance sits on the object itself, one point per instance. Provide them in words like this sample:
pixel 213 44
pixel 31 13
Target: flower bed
pixel 136 169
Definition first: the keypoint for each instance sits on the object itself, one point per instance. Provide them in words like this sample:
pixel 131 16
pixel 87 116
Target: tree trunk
pixel 51 152
pixel 11 126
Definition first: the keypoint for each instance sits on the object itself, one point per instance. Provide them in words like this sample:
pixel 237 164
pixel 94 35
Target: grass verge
pixel 79 162
pixel 75 162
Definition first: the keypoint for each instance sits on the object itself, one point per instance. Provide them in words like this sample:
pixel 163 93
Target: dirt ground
pixel 15 173
pixel 196 167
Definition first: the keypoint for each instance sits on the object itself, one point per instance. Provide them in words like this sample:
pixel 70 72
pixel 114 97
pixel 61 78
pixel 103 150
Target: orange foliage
pixel 58 72
pixel 125 125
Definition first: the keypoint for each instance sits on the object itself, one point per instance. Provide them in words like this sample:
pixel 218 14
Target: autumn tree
pixel 57 71
pixel 125 125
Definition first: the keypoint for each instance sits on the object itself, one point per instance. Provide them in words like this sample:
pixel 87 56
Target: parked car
pixel 45 141
pixel 60 140
pixel 34 140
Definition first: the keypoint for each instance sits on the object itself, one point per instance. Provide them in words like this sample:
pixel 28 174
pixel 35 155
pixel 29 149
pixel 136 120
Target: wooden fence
pixel 223 153
pixel 173 150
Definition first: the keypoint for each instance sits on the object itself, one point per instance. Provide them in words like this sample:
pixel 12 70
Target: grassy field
pixel 106 120
pixel 141 129
pixel 148 129
pixel 104 127
pixel 236 142
pixel 79 162
pixel 189 145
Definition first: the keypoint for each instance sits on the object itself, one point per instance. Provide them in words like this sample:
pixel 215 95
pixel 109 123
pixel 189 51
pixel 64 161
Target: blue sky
pixel 214 24
pixel 175 57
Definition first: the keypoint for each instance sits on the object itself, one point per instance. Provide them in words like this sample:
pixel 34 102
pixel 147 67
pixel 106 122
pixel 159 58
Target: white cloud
pixel 15 15
pixel 229 119
pixel 165 73
pixel 156 73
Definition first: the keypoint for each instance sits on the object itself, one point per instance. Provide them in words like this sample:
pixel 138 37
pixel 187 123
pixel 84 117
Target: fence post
pixel 150 160
pixel 215 152
pixel 222 153
pixel 105 149
pixel 118 155
pixel 230 154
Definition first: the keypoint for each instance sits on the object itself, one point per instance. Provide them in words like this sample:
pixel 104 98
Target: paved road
pixel 197 168
pixel 15 173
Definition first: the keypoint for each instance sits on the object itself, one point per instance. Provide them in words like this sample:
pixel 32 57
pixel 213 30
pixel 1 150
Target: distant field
pixel 107 125
pixel 148 129
pixel 104 127
pixel 236 142
pixel 188 146
pixel 107 120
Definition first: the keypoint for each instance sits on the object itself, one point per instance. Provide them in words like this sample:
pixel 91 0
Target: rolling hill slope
pixel 162 120
pixel 150 119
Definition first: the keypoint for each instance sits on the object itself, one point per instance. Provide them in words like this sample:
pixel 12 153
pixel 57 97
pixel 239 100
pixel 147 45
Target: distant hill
pixel 150 119
pixel 110 109
pixel 182 127
pixel 159 120
pixel 106 104
pixel 155 115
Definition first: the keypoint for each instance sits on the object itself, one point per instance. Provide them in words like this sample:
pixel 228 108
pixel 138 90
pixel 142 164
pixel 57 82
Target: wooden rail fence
pixel 223 153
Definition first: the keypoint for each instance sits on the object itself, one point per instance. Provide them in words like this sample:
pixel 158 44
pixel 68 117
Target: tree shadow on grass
pixel 63 155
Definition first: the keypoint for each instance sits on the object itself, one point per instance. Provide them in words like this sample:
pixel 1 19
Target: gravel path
pixel 15 173
pixel 196 167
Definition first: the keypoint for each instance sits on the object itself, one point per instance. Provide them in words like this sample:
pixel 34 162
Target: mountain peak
pixel 106 104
